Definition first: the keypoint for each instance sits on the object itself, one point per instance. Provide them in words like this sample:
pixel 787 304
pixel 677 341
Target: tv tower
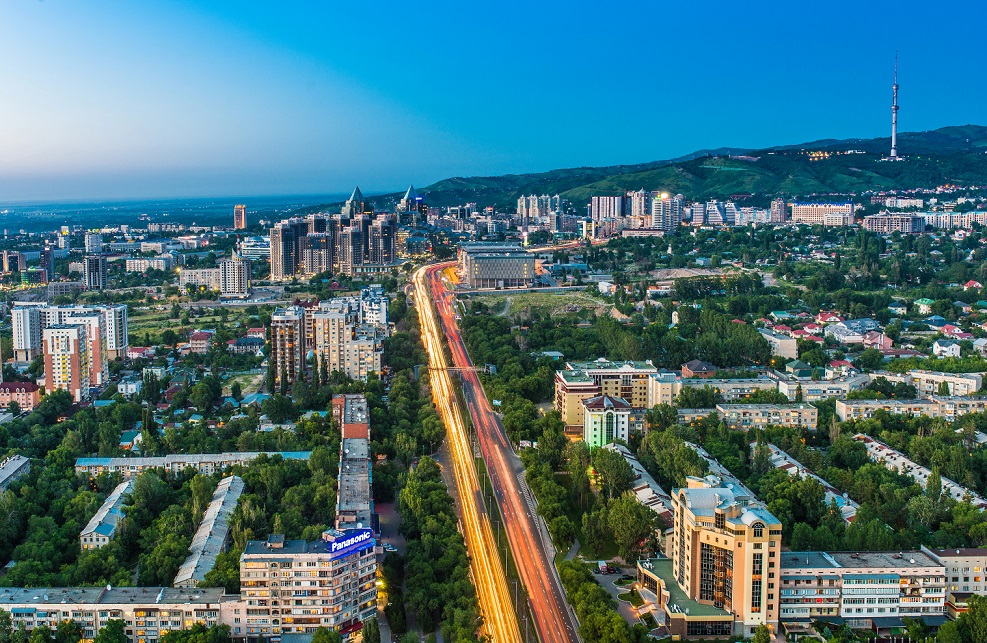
pixel 894 111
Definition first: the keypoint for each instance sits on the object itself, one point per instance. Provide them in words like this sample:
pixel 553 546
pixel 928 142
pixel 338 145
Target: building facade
pixel 606 419
pixel 66 358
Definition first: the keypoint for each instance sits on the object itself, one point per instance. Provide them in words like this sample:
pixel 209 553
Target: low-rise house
pixel 102 528
pixel 924 306
pixel 946 348
pixel 245 345
pixel 878 340
pixel 980 345
pixel 844 334
pixel 200 341
pixel 698 369
pixel 972 285
pixel 898 308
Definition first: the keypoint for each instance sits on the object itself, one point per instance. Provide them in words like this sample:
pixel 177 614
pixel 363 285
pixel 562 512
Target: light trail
pixel 500 622
pixel 553 620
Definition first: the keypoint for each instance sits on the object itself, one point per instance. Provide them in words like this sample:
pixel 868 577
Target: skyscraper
pixel 779 211
pixel 96 273
pixel 239 217
pixel 285 247
pixel 48 263
pixel 94 243
pixel 383 240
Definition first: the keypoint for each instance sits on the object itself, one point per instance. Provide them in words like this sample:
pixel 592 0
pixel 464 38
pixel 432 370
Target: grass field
pixel 541 302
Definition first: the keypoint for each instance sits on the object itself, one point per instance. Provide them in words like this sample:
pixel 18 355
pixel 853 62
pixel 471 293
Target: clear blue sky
pixel 102 98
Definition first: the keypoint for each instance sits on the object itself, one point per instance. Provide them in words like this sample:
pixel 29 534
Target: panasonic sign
pixel 350 541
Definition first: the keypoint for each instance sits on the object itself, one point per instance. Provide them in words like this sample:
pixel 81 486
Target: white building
pixel 828 214
pixel 234 277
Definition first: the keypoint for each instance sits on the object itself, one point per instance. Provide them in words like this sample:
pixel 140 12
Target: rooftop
pixel 210 537
pixel 678 600
pixel 110 596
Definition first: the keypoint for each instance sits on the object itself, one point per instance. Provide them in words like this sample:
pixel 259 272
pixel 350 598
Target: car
pixel 389 547
pixel 626 577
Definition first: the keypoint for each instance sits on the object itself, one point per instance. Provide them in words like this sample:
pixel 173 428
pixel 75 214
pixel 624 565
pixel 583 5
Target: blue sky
pixel 108 99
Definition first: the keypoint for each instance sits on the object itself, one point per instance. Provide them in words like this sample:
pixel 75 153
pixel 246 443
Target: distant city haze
pixel 109 100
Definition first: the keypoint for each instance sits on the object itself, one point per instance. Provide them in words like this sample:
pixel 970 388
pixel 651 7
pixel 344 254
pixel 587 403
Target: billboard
pixel 342 543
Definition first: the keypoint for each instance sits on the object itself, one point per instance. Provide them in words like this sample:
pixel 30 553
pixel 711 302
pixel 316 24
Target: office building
pixel 205 463
pixel 234 277
pixel 495 265
pixel 95 272
pixel 66 356
pixel 239 217
pixel 605 420
pixel 288 349
pixel 888 223
pixel 212 536
pixel 725 553
pixel 93 243
pixel 256 248
pixel 744 417
pixel 827 214
pixel 626 380
pixel 11 468
pixel 102 527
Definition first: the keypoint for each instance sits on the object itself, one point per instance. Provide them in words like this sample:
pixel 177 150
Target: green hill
pixel 956 154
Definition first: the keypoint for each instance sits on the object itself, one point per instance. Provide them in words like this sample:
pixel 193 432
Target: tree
pixel 612 471
pixel 871 359
pixel 40 634
pixel 114 631
pixel 14 408
pixel 762 634
pixel 944 389
pixel 6 626
pixel 68 632
pixel 279 409
pixel 236 391
pixel 325 635
pixel 633 526
pixel 371 631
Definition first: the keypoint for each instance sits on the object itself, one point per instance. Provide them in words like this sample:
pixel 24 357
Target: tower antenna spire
pixel 894 111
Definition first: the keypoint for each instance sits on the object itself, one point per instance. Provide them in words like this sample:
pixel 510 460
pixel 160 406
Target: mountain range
pixel 949 155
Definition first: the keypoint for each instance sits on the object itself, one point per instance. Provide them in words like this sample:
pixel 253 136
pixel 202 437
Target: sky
pixel 110 99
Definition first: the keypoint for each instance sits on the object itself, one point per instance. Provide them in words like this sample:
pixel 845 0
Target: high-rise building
pixel 95 272
pixel 66 355
pixel 286 247
pixel 606 207
pixel 342 343
pixel 355 204
pixel 716 214
pixel 26 322
pixel 779 211
pixel 350 248
pixel 383 240
pixel 288 346
pixel 48 264
pixel 828 214
pixel 30 319
pixel 234 277
pixel 94 243
pixel 666 211
pixel 239 217
pixel 117 330
pixel 317 252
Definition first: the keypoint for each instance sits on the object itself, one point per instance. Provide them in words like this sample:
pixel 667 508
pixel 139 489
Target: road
pixel 553 619
pixel 500 621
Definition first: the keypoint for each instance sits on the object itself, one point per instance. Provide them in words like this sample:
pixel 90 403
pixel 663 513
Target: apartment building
pixel 816 390
pixel 897 461
pixel 31 318
pixel 201 278
pixel 752 416
pixel 887 223
pixel 725 553
pixel 204 463
pixel 571 388
pixel 211 537
pixel 148 613
pixel 288 347
pixel 12 468
pixel 341 343
pixel 791 466
pixel 648 492
pixel 27 395
pixel 868 590
pixel 143 264
pixel 928 382
pixel 102 527
pixel 66 359
pixel 781 345
pixel 95 272
pixel 966 574
pixel 949 408
pixel 234 277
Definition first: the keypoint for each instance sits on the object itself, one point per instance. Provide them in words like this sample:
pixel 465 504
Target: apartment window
pixel 758 530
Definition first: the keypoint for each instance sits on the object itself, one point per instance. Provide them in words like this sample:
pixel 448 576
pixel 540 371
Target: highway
pixel 553 619
pixel 500 621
